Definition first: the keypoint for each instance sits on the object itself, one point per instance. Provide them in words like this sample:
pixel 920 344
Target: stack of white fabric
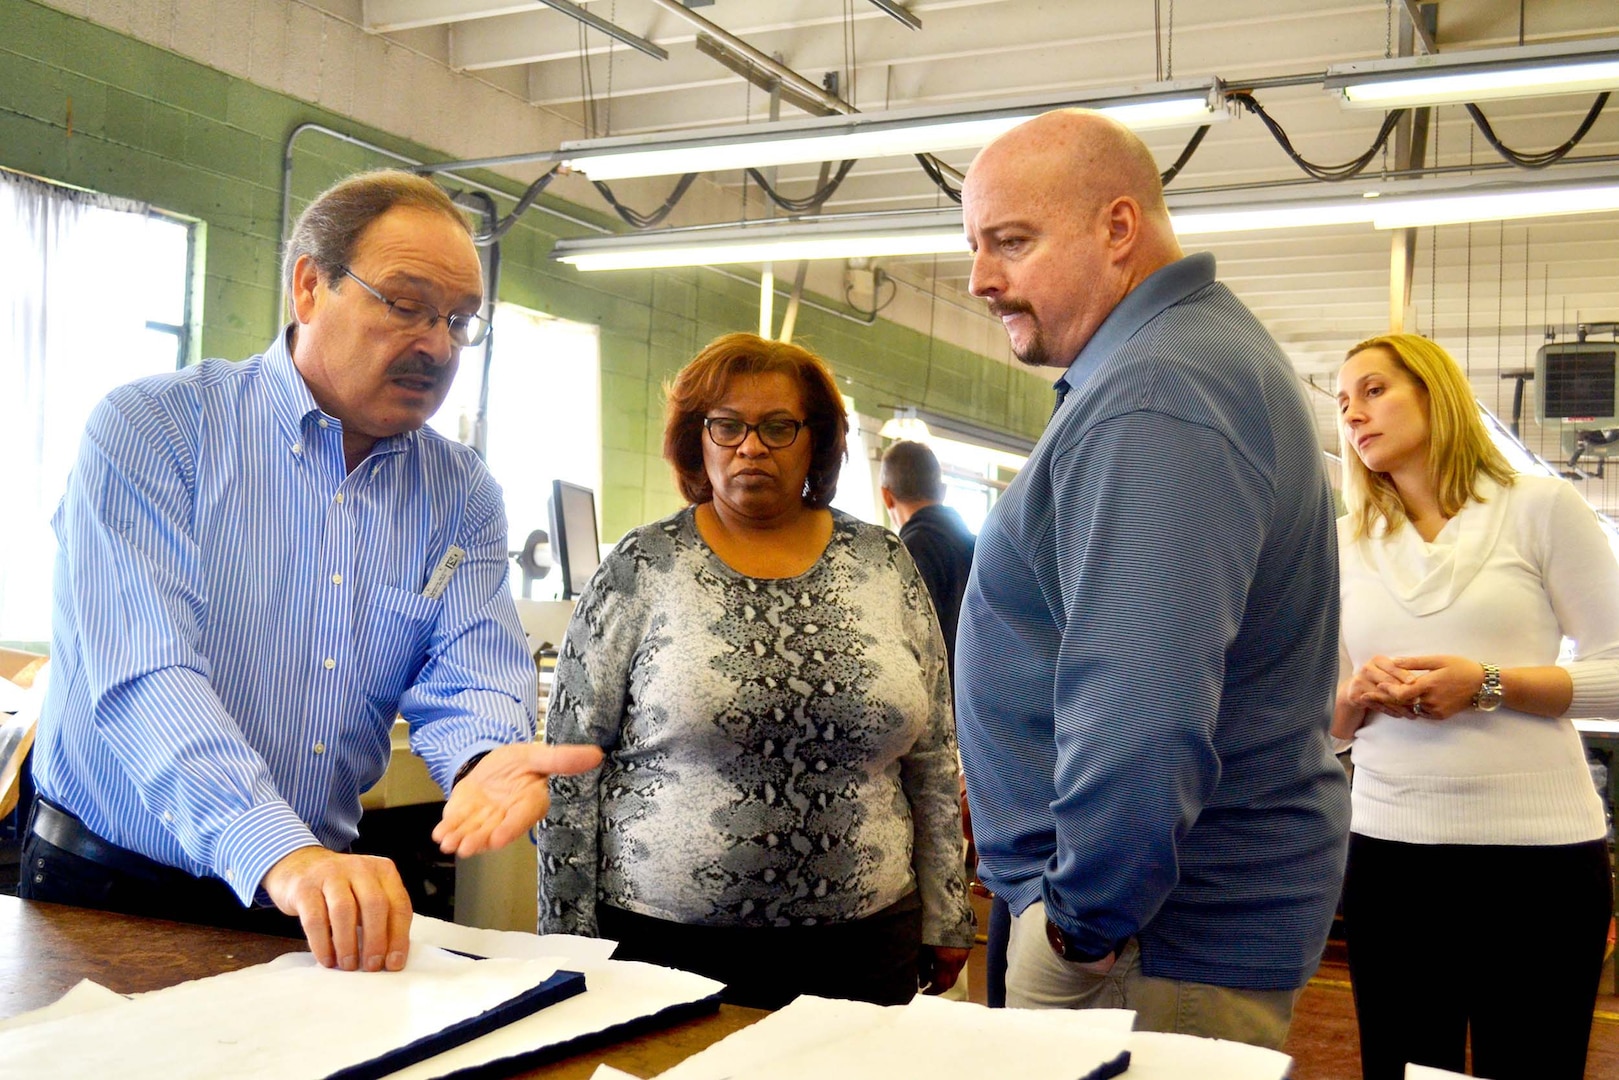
pixel 814 1038
pixel 292 1019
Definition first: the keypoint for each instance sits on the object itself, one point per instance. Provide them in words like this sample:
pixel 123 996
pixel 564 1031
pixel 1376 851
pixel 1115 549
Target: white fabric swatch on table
pixel 285 1020
pixel 813 1038
pixel 576 951
pixel 617 993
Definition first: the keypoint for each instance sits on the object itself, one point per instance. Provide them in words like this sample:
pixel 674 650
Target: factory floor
pixel 1324 1044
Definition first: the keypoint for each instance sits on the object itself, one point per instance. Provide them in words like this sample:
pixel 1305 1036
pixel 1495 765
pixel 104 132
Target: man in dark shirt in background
pixel 935 535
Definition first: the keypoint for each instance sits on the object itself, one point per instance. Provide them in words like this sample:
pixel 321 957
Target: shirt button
pixel 320 748
pixel 375 469
pixel 168 817
pixel 330 663
pixel 230 875
pixel 337 579
pixel 297 448
pixel 338 498
pixel 322 423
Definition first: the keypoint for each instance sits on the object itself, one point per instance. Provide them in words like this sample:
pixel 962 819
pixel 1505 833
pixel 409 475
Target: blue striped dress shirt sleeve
pixel 239 618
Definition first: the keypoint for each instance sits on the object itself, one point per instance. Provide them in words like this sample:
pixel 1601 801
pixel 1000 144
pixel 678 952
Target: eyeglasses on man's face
pixel 415 316
pixel 777 433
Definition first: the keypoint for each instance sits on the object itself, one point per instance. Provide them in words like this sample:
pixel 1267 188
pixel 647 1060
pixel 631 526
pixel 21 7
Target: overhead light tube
pixel 1393 205
pixel 894 133
pixel 1477 75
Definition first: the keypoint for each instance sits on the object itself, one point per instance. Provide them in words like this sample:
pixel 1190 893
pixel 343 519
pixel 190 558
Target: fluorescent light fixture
pixel 853 236
pixel 881 134
pixel 924 425
pixel 1496 202
pixel 1479 75
pixel 905 424
pixel 1392 205
pixel 1193 220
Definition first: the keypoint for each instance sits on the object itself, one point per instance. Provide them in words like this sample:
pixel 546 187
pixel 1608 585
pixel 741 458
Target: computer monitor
pixel 574 544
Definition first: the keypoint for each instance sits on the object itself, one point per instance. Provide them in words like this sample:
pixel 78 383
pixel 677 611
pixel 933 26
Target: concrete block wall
pixel 89 105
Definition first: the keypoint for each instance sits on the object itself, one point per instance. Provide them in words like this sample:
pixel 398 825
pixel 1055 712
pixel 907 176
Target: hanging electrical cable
pixel 498 229
pixel 1192 144
pixel 634 217
pixel 1329 173
pixel 1545 157
pixel 808 203
pixel 930 165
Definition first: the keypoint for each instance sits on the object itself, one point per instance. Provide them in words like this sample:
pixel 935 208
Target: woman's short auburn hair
pixel 703 383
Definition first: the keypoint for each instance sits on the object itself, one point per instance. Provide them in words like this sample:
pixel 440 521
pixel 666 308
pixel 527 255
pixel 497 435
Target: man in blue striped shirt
pixel 1148 647
pixel 261 565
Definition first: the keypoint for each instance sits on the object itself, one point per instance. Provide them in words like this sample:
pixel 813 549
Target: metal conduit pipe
pixel 808 87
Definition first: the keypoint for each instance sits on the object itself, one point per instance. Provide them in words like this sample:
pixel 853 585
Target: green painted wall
pixel 87 106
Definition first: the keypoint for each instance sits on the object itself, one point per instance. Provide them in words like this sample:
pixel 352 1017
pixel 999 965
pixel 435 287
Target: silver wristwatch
pixel 1489 695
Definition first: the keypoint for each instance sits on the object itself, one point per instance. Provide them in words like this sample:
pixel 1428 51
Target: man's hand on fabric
pixel 939 966
pixel 354 908
pixel 505 794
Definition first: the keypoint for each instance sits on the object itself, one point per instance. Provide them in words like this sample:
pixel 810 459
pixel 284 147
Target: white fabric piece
pixel 1428 1072
pixel 509 944
pixel 813 1038
pixel 1157 1055
pixel 85 996
pixel 283 1020
pixel 618 992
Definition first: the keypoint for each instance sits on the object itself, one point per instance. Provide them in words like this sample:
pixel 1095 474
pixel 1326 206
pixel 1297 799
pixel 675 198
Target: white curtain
pixel 73 296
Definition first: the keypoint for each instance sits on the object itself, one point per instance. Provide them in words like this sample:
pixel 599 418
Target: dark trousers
pixel 75 866
pixel 1503 943
pixel 871 959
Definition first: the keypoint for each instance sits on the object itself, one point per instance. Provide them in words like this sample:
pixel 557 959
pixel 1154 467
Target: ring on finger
pixel 1416 707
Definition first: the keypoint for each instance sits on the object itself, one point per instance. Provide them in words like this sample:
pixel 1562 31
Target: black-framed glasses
pixel 777 433
pixel 416 316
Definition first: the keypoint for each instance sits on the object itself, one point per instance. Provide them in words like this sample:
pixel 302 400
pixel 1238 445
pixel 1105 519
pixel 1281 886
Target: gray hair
pixel 329 227
pixel 911 472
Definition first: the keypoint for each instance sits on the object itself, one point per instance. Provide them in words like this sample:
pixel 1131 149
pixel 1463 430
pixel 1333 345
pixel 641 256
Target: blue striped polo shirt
pixel 1147 652
pixel 238 619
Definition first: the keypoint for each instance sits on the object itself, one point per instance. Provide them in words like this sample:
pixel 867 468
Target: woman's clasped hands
pixel 1416 687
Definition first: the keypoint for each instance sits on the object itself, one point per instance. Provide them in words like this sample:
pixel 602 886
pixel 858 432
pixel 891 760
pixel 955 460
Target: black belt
pixel 56 826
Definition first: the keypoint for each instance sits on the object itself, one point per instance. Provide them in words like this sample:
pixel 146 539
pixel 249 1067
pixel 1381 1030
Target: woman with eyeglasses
pixel 1478 893
pixel 777 809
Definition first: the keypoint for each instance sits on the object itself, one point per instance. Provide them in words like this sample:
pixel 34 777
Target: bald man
pixel 1148 644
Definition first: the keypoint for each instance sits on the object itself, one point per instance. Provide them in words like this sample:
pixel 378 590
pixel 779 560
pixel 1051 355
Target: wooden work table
pixel 46 948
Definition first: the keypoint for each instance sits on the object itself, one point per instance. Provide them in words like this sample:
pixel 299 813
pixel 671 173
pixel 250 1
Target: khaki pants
pixel 1037 978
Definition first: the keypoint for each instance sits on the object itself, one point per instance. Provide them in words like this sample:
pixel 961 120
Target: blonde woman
pixel 1478 892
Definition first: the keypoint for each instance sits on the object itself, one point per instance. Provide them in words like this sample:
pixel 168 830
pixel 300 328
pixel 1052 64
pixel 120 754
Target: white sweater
pixel 1504 582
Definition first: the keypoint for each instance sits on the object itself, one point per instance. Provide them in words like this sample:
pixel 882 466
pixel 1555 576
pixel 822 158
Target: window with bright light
pixel 541 417
pixel 95 292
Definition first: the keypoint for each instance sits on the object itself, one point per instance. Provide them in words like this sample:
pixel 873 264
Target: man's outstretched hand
pixel 505 794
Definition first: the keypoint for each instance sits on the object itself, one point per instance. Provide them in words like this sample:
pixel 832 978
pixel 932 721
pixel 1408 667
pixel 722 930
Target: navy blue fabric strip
pixel 1117 1067
pixel 545 1055
pixel 559 987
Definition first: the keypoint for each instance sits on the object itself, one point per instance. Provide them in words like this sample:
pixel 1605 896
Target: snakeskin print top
pixel 780 752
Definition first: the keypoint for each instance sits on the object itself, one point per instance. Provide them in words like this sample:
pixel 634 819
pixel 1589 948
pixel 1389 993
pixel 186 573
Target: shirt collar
pixel 289 393
pixel 1164 287
pixel 295 406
